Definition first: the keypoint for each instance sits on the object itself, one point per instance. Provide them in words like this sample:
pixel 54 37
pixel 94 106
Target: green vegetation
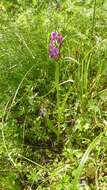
pixel 53 114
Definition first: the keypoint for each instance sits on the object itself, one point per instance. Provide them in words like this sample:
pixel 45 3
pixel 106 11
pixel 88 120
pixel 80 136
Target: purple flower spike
pixel 56 40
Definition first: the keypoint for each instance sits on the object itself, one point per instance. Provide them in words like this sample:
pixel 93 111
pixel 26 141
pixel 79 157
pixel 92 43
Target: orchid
pixel 56 40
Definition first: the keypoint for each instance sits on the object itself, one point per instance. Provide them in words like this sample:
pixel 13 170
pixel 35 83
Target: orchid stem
pixel 57 97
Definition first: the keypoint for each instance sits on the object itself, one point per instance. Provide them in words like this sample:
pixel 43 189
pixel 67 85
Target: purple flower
pixel 54 52
pixel 60 39
pixel 53 36
pixel 56 40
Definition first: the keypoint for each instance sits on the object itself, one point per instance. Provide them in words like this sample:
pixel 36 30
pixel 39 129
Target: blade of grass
pixel 94 17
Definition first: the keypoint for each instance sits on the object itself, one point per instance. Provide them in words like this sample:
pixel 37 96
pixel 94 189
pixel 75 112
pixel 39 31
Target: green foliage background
pixel 30 156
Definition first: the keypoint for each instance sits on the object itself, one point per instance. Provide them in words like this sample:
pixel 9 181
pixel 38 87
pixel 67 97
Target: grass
pixel 53 115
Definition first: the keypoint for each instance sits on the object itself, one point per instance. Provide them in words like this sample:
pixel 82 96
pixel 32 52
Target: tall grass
pixel 85 157
pixel 52 112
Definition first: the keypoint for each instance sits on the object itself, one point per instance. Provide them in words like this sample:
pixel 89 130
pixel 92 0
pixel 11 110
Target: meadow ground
pixel 53 113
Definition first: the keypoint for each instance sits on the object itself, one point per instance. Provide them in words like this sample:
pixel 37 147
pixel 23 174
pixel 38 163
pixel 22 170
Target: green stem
pixel 57 97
